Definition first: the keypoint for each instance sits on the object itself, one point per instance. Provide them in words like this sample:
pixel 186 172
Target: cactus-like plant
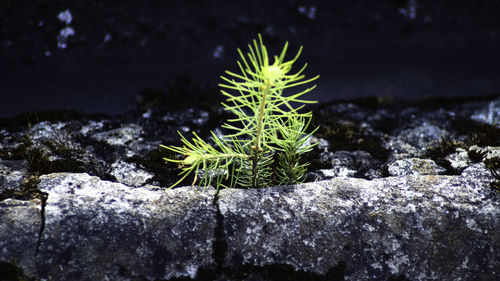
pixel 266 123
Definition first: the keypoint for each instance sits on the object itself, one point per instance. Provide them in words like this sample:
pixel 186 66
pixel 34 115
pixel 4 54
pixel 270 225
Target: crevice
pixel 219 250
pixel 43 197
pixel 275 272
pixel 220 244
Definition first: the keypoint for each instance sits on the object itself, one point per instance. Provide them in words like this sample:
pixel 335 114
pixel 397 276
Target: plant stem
pixel 257 148
pixel 260 118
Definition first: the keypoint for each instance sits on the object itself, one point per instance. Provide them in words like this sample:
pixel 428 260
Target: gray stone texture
pixel 420 227
pixel 12 173
pixel 129 174
pixel 414 166
pixel 99 230
pixel 20 224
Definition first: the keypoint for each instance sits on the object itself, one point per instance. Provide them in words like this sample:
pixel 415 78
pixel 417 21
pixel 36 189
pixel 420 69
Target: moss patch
pixel 493 165
pixel 165 173
pixel 442 149
pixel 478 133
pixel 350 136
pixel 29 190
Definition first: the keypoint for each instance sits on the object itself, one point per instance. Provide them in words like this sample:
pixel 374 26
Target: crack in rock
pixel 43 199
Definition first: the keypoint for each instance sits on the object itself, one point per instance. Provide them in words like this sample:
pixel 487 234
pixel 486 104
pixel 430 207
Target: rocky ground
pixel 396 190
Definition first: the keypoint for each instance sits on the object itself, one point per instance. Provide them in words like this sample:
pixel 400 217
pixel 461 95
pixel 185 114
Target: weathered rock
pixel 492 152
pixel 407 228
pixel 53 147
pixel 476 171
pixel 123 136
pixel 414 166
pixel 323 144
pixel 129 174
pixel 20 224
pixel 99 230
pixel 340 163
pixel 12 173
pixel 91 127
pixel 47 131
pixel 423 135
pixel 401 149
pixel 414 141
pixel 128 139
pixel 413 227
pixel 350 164
pixel 489 113
pixel 459 160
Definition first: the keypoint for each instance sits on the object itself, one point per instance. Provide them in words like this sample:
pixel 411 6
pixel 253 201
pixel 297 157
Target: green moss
pixel 40 162
pixel 475 155
pixel 350 136
pixel 164 173
pixel 495 185
pixel 442 149
pixel 399 277
pixel 368 103
pixel 493 164
pixel 486 135
pixel 478 133
pixel 29 190
pixel 18 152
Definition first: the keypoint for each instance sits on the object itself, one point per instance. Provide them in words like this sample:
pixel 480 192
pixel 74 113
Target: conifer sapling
pixel 266 123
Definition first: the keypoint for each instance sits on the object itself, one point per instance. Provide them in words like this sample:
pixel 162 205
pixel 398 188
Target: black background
pixel 360 48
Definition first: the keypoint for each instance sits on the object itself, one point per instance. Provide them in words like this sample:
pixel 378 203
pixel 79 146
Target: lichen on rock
pixel 95 230
pixel 408 226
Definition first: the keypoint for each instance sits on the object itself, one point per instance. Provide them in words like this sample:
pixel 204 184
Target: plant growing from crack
pixel 268 133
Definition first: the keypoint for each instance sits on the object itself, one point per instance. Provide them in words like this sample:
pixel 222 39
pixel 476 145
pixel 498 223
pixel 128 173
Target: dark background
pixel 360 48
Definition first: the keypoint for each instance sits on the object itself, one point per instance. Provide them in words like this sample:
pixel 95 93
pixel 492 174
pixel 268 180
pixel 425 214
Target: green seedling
pixel 267 134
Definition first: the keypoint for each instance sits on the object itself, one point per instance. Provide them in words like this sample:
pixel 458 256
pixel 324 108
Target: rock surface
pixel 350 164
pixel 413 227
pixel 414 166
pixel 416 227
pixel 20 225
pixel 409 195
pixel 11 174
pixel 129 174
pixel 99 230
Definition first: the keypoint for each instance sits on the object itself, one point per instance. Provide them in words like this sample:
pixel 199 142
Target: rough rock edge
pixel 21 263
pixel 220 250
pixel 261 252
pixel 79 182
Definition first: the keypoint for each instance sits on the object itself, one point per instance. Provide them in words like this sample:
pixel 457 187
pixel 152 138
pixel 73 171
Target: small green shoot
pixel 266 126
